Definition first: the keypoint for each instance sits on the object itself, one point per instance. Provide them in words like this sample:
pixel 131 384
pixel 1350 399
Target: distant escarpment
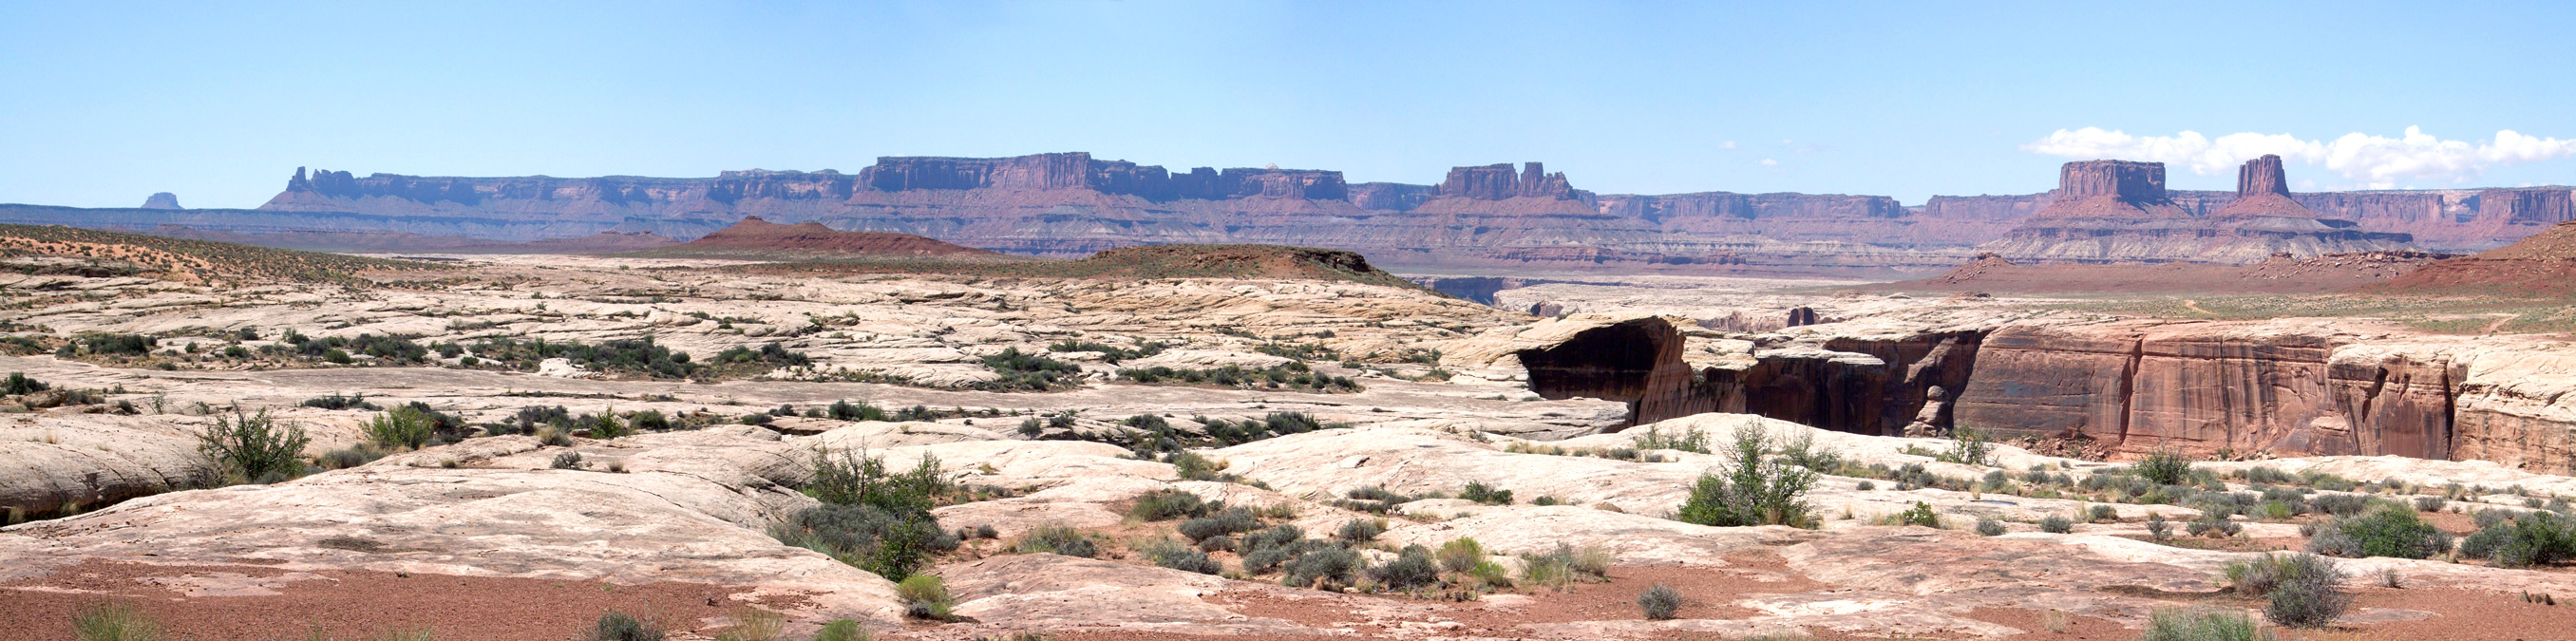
pixel 1497 216
pixel 2119 211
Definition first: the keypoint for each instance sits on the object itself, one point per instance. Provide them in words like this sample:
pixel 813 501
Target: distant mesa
pixel 162 200
pixel 2108 211
pixel 756 239
pixel 2263 190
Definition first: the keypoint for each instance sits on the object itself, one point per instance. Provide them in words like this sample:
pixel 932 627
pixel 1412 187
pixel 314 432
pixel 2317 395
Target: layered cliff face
pixel 2116 211
pixel 2285 387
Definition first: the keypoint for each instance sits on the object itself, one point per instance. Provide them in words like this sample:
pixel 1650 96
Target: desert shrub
pixel 756 419
pixel 870 518
pixel 567 461
pixel 2530 539
pixel 2171 624
pixel 844 410
pixel 2102 513
pixel 2393 532
pixel 1660 603
pixel 604 425
pixel 648 421
pixel 1968 447
pixel 1412 568
pixel 402 427
pixel 1360 530
pixel 1460 554
pixel 770 354
pixel 857 479
pixel 2341 504
pixel 2056 524
pixel 841 630
pixel 338 402
pixel 1751 489
pixel 1804 452
pixel 1224 522
pixel 1865 486
pixel 640 357
pixel 2309 592
pixel 619 626
pixel 1057 539
pixel 1988 526
pixel 924 597
pixel 2268 476
pixel 114 622
pixel 342 459
pixel 253 449
pixel 1336 564
pixel 18 383
pixel 1921 514
pixel 2164 466
pixel 1173 554
pixel 1565 564
pixel 2213 525
pixel 1268 549
pixel 1167 504
pixel 1655 438
pixel 2157 527
pixel 1031 372
pixel 749 625
pixel 1479 492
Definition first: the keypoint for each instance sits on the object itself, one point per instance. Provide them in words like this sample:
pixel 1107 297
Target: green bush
pixel 2310 593
pixel 114 622
pixel 842 630
pixel 2301 590
pixel 2529 539
pixel 619 626
pixel 870 518
pixel 2056 524
pixel 2394 531
pixel 1233 520
pixel 567 461
pixel 1460 554
pixel 342 459
pixel 1654 438
pixel 403 427
pixel 1660 603
pixel 1921 514
pixel 924 597
pixel 1360 530
pixel 338 402
pixel 2169 624
pixel 18 383
pixel 2101 513
pixel 1967 447
pixel 2164 466
pixel 253 449
pixel 1413 567
pixel 1750 490
pixel 1057 539
pixel 1167 504
pixel 1564 565
pixel 1988 526
pixel 1479 492
pixel 1173 554
pixel 1335 564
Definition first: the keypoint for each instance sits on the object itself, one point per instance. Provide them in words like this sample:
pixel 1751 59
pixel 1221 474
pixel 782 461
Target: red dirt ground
pixel 352 604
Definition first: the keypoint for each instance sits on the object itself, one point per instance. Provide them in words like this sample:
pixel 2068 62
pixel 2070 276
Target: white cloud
pixel 1766 162
pixel 2376 161
pixel 1726 145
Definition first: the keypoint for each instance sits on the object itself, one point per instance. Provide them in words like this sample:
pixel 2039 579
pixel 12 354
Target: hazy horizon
pixel 219 105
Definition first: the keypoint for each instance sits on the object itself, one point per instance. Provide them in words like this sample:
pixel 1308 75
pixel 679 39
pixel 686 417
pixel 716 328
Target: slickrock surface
pixel 1442 393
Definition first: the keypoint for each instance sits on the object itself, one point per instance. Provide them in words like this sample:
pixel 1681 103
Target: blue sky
pixel 104 103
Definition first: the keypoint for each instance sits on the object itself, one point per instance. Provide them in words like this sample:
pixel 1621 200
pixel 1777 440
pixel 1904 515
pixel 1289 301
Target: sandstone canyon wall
pixel 2286 387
